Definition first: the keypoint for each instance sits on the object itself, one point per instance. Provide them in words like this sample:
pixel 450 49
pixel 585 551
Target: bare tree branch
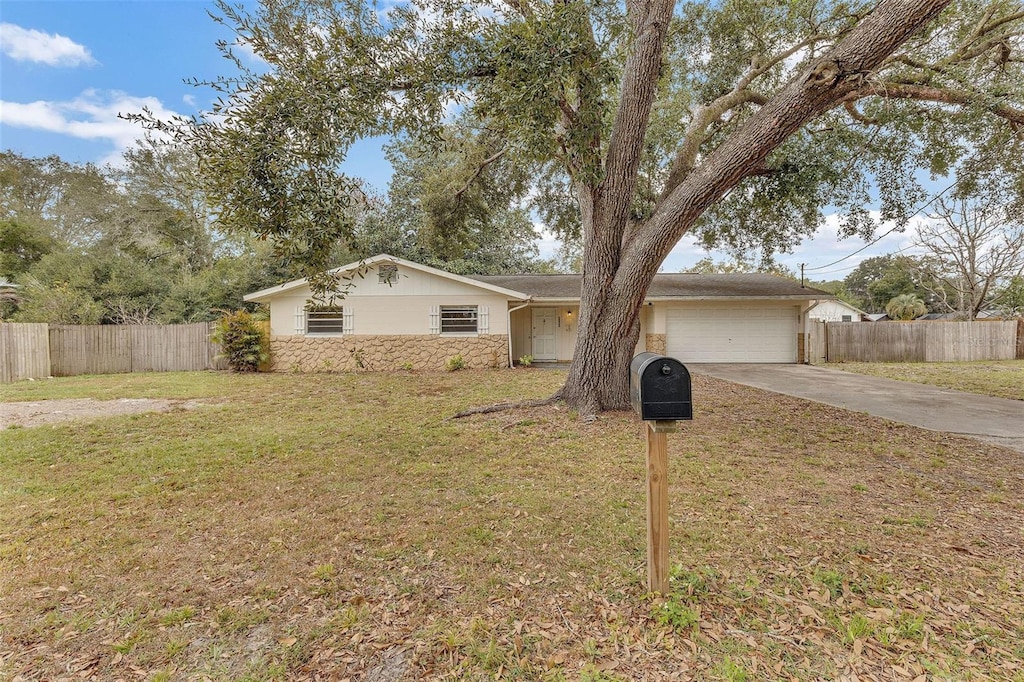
pixel 479 169
pixel 856 115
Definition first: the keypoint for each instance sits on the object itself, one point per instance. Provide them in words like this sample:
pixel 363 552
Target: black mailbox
pixel 659 388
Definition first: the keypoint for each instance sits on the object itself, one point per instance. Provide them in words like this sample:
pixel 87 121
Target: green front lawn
pixel 320 526
pixel 1002 379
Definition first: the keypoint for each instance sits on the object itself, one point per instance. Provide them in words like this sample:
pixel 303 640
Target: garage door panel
pixel 732 334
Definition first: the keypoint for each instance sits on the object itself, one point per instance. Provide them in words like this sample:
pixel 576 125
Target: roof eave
pixel 265 294
pixel 740 297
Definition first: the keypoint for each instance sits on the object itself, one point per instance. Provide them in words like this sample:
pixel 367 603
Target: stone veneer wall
pixel 655 343
pixel 379 353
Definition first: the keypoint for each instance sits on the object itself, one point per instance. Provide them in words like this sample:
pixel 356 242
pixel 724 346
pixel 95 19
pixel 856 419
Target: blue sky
pixel 68 68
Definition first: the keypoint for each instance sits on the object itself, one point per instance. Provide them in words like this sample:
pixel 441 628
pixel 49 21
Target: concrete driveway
pixel 996 420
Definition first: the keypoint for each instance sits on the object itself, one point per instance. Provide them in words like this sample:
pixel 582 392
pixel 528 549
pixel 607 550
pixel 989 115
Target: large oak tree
pixel 738 121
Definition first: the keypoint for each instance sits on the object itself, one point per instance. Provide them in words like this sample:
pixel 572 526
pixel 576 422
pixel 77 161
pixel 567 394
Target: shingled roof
pixel 686 285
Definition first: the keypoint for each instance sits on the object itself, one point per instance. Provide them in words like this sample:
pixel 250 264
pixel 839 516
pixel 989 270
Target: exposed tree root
pixel 501 407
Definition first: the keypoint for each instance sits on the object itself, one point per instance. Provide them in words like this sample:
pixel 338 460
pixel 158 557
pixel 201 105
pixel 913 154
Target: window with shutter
pixel 325 320
pixel 460 319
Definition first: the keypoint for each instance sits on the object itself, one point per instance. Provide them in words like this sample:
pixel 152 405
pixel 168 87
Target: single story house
pixel 399 314
pixel 835 310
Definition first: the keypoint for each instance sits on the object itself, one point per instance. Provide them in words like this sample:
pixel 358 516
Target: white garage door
pixel 732 334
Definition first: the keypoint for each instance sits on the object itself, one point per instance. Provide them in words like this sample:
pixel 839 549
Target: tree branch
pixel 857 115
pixel 696 133
pixel 479 169
pixel 935 94
pixel 826 83
pixel 639 85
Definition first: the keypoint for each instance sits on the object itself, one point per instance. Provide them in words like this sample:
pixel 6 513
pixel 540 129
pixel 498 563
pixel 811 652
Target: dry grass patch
pixel 1001 379
pixel 339 526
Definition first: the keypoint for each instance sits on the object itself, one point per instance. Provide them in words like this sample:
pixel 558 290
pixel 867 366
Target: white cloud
pixel 53 49
pixel 248 53
pixel 91 116
pixel 547 243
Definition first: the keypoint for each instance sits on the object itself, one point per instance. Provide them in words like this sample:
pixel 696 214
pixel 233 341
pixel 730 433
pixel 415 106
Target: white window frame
pixel 455 313
pixel 338 320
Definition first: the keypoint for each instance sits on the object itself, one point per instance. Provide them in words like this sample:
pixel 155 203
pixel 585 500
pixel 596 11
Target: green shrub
pixel 455 364
pixel 242 340
pixel 526 360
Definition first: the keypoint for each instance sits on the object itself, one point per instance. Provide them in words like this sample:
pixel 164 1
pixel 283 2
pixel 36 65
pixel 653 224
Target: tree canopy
pixel 738 121
pixel 131 245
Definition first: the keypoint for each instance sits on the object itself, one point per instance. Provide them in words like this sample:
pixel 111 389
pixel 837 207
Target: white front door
pixel 544 338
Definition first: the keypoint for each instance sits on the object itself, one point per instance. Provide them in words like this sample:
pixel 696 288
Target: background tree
pixel 458 208
pixel 736 121
pixel 975 247
pixel 1010 298
pixel 162 211
pixel 838 289
pixel 708 265
pixel 22 245
pixel 905 307
pixel 876 281
pixel 130 245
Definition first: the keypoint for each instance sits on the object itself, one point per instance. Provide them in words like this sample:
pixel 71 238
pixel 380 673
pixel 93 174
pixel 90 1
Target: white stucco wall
pixel 833 311
pixel 402 306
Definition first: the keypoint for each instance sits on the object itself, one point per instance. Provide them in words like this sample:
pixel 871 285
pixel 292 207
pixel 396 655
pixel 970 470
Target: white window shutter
pixel 300 320
pixel 483 320
pixel 346 321
pixel 435 320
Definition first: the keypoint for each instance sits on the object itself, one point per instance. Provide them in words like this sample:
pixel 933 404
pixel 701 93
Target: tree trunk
pixel 607 335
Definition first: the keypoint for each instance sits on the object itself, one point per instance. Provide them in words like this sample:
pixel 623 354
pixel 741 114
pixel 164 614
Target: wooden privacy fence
pixel 104 349
pixel 920 341
pixel 24 352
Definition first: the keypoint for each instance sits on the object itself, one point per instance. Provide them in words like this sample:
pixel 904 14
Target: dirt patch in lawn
pixel 39 412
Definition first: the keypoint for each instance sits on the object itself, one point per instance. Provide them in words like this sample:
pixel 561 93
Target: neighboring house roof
pixel 841 302
pixel 938 316
pixel 265 294
pixel 687 285
pixel 876 317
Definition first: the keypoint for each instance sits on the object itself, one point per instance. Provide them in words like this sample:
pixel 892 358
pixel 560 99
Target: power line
pixel 917 210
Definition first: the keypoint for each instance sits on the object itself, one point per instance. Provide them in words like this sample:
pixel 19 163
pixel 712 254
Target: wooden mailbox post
pixel 659 390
